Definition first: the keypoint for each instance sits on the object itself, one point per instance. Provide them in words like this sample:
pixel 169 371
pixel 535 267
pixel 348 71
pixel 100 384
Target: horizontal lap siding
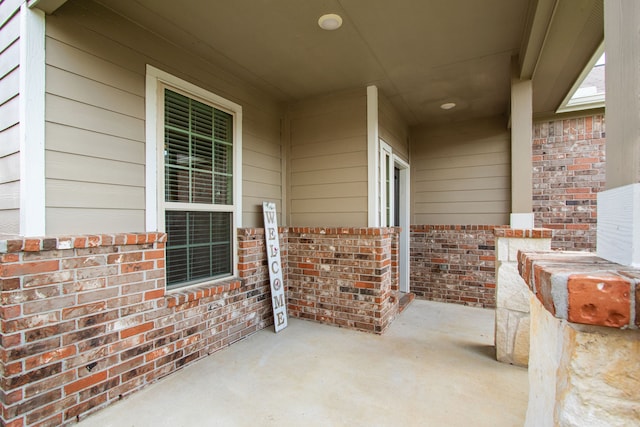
pixel 10 117
pixel 328 161
pixel 95 152
pixel 392 128
pixel 461 174
pixel 262 165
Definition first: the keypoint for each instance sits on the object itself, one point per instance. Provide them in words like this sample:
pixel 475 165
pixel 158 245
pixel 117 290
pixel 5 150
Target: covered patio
pixel 435 365
pixel 413 149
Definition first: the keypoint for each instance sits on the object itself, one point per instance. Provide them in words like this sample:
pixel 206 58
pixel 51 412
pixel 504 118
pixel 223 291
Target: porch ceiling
pixel 419 53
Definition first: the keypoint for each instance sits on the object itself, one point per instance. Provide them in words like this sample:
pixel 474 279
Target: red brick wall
pixel 568 172
pixel 343 276
pixel 453 263
pixel 86 321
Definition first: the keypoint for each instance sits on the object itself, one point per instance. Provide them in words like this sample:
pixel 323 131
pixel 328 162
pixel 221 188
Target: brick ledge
pixel 533 233
pixel 583 288
pixel 11 244
pixel 193 293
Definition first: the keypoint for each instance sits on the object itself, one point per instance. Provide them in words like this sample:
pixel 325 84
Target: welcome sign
pixel 278 300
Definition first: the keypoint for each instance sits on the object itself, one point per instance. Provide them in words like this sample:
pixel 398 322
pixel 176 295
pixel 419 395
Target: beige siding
pixel 394 131
pixel 328 161
pixel 95 128
pixel 392 128
pixel 262 166
pixel 9 117
pixel 461 174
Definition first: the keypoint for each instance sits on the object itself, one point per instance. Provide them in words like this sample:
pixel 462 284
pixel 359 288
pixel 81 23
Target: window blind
pixel 198 158
pixel 198 152
pixel 198 245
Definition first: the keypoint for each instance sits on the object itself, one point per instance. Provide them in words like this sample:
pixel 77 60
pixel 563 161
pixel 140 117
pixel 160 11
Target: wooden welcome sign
pixel 278 300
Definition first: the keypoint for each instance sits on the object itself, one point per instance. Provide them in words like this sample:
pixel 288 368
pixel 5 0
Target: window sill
pixel 193 293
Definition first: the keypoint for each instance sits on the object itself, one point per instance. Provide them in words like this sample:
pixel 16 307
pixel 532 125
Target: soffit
pixel 419 53
pixel 575 33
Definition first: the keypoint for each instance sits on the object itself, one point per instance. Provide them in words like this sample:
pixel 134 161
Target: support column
pixel 618 232
pixel 512 293
pixel 32 117
pixel 521 140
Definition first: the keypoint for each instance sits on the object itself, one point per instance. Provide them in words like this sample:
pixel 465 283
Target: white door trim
pixel 404 222
pixel 386 152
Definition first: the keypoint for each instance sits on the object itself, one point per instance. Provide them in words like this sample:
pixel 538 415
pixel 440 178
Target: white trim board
pixel 32 127
pixel 404 222
pixel 373 216
pixel 385 174
pixel 618 232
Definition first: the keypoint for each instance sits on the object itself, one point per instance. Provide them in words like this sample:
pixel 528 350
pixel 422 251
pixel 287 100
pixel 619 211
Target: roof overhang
pixel 47 6
pixel 562 39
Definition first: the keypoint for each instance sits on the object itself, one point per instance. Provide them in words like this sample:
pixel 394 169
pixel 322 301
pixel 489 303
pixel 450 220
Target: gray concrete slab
pixel 435 366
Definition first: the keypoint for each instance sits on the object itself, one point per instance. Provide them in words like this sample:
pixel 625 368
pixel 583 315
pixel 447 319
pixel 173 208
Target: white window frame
pixel 156 81
pixel 587 102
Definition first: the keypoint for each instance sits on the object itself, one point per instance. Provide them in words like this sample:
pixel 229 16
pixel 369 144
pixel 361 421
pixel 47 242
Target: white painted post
pixel 278 298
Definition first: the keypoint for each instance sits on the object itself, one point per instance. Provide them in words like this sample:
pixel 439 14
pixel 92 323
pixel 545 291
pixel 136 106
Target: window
pixel 197 171
pixel 589 90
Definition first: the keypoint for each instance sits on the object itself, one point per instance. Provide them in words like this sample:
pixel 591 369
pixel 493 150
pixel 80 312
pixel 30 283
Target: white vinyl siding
pixel 461 174
pixel 328 166
pixel 10 117
pixel 96 65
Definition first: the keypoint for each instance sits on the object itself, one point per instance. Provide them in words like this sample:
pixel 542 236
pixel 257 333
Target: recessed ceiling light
pixel 448 105
pixel 330 22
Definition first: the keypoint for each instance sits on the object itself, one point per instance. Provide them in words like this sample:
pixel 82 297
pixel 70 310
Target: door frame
pixel 387 202
pixel 404 222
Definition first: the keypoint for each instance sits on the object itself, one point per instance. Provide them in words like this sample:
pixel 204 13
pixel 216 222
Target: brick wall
pixel 453 263
pixel 568 172
pixel 343 276
pixel 85 321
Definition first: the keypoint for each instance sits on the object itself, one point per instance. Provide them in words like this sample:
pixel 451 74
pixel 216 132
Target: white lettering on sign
pixel 278 299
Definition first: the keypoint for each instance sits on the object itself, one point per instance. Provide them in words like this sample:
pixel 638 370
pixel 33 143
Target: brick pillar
pixel 342 276
pixel 512 294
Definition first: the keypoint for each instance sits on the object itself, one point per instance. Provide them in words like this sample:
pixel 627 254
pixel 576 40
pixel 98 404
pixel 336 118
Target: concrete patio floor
pixel 435 366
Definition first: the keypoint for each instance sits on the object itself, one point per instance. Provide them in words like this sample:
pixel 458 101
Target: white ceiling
pixel 420 53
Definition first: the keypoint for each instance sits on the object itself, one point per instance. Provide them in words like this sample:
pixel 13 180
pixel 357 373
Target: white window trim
pixel 587 102
pixel 154 172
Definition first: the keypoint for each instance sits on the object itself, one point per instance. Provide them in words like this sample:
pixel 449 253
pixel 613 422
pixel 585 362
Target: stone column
pixel 584 368
pixel 618 233
pixel 512 293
